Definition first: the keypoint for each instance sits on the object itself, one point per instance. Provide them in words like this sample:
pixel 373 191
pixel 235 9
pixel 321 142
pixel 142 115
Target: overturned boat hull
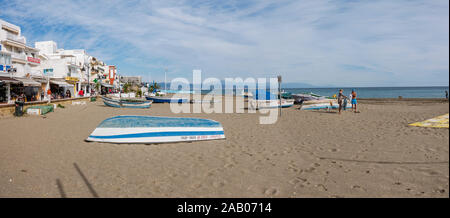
pixel 148 130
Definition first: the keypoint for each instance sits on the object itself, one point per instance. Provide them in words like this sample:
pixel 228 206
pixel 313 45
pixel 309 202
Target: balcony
pixel 19 57
pixel 15 38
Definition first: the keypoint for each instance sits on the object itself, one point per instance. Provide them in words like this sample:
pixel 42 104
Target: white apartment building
pixel 18 62
pixel 66 68
pixel 23 58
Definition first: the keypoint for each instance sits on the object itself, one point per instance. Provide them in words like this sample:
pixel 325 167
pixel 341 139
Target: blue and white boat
pixel 126 103
pixel 149 129
pixel 322 106
pixel 157 99
pixel 268 101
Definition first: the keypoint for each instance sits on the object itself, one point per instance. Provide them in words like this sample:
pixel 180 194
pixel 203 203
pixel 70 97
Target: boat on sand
pixel 126 103
pixel 268 101
pixel 157 99
pixel 150 129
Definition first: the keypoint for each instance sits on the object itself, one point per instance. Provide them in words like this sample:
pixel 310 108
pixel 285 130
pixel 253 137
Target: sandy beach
pixel 305 154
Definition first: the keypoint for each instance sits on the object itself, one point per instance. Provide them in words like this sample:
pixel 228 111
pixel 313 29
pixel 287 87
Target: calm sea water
pixel 380 92
pixel 376 92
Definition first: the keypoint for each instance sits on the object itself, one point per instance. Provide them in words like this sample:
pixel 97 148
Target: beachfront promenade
pixel 305 154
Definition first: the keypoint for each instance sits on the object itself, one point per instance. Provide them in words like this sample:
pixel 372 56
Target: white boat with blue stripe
pixel 150 129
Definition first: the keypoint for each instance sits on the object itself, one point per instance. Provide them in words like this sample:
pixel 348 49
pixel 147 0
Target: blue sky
pixel 341 43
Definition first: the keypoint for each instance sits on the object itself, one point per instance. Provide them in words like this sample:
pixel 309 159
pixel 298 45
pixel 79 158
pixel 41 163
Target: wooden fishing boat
pixel 126 103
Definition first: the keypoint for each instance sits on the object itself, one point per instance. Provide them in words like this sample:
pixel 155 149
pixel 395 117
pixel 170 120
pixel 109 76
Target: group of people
pixel 343 100
pixel 60 95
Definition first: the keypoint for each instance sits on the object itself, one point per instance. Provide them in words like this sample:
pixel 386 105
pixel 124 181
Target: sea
pixel 379 92
pixel 374 92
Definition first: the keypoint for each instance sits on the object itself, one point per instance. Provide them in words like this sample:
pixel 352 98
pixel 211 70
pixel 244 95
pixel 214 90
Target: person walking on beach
pixel 354 102
pixel 341 98
pixel 446 94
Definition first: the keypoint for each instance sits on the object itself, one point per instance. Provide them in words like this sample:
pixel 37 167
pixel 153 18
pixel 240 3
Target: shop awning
pixel 40 80
pixel 107 85
pixel 28 82
pixel 60 83
pixel 9 80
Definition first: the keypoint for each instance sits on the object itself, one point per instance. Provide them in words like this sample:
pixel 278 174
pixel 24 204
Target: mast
pixel 120 90
pixel 165 80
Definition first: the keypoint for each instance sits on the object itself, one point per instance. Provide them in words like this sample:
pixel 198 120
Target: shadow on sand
pixel 61 189
pixel 86 181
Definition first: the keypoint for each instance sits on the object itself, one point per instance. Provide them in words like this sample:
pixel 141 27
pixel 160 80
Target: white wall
pixel 46 47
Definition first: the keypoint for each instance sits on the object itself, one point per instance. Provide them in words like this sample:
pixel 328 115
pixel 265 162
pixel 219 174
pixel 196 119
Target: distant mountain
pixel 297 85
pixel 283 85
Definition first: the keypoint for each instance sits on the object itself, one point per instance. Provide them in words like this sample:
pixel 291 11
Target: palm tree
pixel 97 86
pixel 154 87
pixel 126 87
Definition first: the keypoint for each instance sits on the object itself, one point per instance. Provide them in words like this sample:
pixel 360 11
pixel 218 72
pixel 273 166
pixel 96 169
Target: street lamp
pixel 165 80
pixel 279 91
pixel 86 67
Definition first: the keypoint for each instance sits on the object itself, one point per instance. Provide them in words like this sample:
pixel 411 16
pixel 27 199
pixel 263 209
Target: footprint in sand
pixel 428 172
pixel 334 150
pixel 229 165
pixel 197 185
pixel 321 187
pixel 173 175
pixel 218 184
pixel 293 168
pixel 271 192
pixel 309 170
pixel 297 180
pixel 294 181
pixel 357 187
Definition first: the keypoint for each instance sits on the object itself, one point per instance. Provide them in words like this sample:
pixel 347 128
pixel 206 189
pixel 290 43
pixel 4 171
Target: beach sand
pixel 305 154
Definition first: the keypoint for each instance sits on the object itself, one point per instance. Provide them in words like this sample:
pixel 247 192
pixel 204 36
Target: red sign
pixel 34 60
pixel 112 74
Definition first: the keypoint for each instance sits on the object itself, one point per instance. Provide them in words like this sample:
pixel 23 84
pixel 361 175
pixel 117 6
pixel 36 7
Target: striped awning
pixel 40 80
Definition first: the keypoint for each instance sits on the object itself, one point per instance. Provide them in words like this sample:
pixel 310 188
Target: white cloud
pixel 401 42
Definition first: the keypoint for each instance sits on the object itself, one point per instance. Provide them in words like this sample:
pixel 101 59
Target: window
pixel 5 59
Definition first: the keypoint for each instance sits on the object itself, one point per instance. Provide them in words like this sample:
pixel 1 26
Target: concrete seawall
pixel 7 110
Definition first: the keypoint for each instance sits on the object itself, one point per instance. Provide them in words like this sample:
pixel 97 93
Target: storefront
pixel 30 88
pixel 74 81
pixel 106 88
pixel 5 88
pixel 59 88
pixel 86 88
pixel 42 88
